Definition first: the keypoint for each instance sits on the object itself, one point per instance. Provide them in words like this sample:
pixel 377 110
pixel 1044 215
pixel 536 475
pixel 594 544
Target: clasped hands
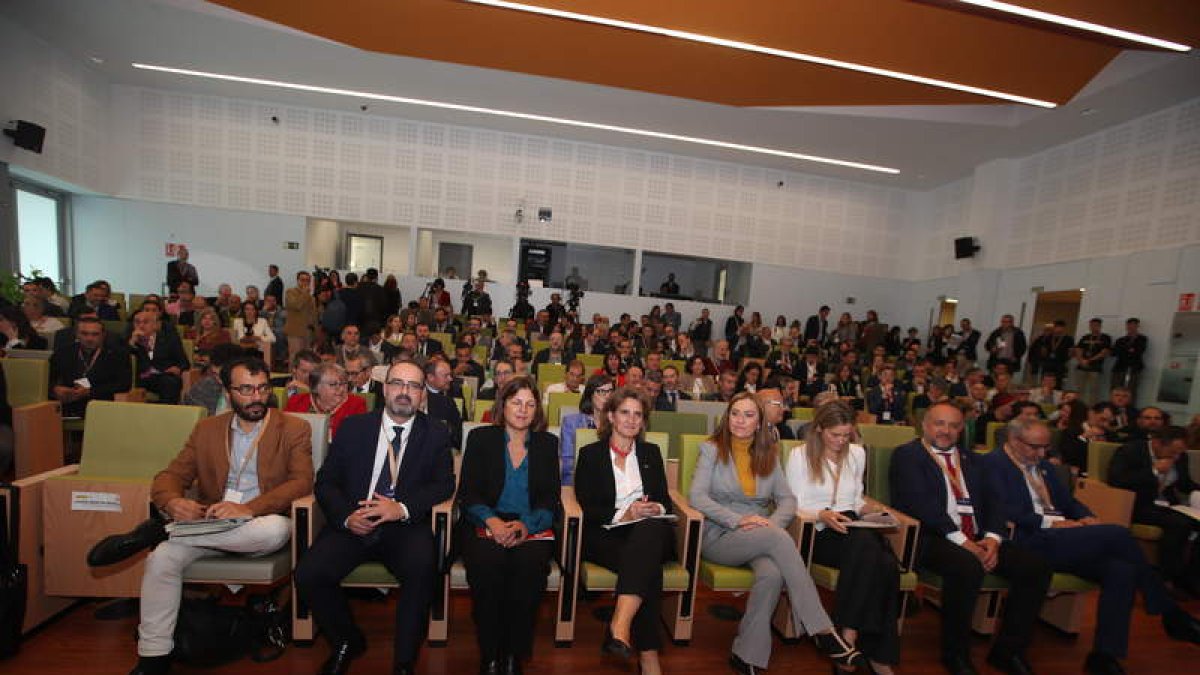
pixel 182 508
pixel 508 533
pixel 834 520
pixel 372 512
pixel 987 550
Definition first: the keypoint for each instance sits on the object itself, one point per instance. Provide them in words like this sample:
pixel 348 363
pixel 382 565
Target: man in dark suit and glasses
pixel 1049 521
pixel 385 472
pixel 962 539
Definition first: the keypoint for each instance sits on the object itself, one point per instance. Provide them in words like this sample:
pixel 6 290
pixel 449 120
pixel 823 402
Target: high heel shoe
pixel 832 645
pixel 614 647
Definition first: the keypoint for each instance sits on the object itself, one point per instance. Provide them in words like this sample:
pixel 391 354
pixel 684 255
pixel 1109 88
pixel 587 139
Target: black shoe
pixel 1012 663
pixel 1181 626
pixel 512 665
pixel 113 549
pixel 404 669
pixel 152 665
pixel 741 667
pixel 832 645
pixel 1099 663
pixel 958 664
pixel 614 647
pixel 338 662
pixel 491 667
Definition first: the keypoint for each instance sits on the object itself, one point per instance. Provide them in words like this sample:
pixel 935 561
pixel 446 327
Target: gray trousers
pixel 776 561
pixel 162 582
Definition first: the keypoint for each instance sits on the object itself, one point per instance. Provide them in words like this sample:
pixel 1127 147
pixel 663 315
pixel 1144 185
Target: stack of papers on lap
pixel 882 520
pixel 1190 511
pixel 666 516
pixel 194 528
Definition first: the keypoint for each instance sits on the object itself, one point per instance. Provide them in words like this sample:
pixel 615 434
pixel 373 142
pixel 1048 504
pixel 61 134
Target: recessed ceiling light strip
pixel 771 51
pixel 1061 20
pixel 648 133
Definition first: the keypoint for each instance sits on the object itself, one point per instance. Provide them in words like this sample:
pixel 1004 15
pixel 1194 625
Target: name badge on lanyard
pixel 964 507
pixel 887 415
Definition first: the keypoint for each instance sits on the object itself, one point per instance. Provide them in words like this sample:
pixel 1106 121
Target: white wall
pixel 123 241
pixel 45 85
pixel 321 240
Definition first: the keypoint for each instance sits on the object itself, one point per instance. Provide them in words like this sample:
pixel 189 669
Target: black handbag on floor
pixel 14 581
pixel 208 633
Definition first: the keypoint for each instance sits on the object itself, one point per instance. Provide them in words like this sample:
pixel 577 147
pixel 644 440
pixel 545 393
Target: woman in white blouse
pixel 251 331
pixel 826 476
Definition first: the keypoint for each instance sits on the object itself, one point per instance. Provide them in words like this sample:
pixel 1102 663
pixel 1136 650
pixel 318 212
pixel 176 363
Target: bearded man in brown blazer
pixel 250 462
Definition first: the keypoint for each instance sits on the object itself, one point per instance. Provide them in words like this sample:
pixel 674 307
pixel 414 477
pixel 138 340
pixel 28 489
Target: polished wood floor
pixel 79 643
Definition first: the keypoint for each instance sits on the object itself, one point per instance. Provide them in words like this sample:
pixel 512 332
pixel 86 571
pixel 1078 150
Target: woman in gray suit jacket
pixel 738 477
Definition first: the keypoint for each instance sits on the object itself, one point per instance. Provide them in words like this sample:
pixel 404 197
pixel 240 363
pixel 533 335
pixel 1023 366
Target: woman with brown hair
pixel 622 488
pixel 508 496
pixel 826 475
pixel 738 480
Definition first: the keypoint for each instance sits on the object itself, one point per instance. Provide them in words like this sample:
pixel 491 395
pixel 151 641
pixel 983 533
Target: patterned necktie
pixel 968 520
pixel 384 485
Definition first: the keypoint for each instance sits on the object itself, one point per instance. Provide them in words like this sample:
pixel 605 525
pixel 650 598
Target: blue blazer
pixel 919 489
pixel 1009 484
pixel 426 472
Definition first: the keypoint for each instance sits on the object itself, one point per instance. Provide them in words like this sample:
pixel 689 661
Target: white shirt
pixel 387 431
pixel 1038 507
pixel 812 497
pixel 957 536
pixel 628 483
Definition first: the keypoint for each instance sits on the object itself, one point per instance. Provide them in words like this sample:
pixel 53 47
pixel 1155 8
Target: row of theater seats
pixel 58 514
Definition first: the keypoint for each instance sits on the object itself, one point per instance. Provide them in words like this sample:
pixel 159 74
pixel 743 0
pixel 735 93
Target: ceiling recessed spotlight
pixel 1088 112
pixel 1061 20
pixel 763 49
pixel 532 117
pixel 96 60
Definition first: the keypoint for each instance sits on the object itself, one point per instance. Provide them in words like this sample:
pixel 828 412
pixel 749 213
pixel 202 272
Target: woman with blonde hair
pixel 740 488
pixel 826 476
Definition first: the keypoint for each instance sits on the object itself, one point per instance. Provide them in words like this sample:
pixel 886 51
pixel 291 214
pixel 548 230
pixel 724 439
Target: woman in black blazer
pixel 509 496
pixel 637 549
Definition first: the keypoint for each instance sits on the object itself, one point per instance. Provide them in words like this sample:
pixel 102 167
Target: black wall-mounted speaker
pixel 965 247
pixel 28 135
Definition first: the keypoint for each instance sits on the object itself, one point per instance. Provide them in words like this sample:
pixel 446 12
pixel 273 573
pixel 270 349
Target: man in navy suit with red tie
pixel 385 472
pixel 963 538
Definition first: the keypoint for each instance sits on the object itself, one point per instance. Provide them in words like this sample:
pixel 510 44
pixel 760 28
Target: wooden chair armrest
pixel 689 529
pixel 134 395
pixel 672 468
pixel 570 546
pixel 38 438
pixel 903 539
pixel 307 521
pixel 804 532
pixel 441 519
pixel 1110 504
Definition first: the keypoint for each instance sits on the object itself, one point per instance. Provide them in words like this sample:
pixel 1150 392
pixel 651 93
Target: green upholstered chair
pixel 886 435
pixel 369 397
pixel 675 424
pixel 990 439
pixel 679 578
pixel 679 364
pixel 591 362
pixel 281 396
pixel 549 373
pixel 805 414
pixel 481 407
pixel 307 521
pixel 124 446
pixel 537 346
pixel 27 380
pixel 480 354
pixel 556 403
pixel 447 341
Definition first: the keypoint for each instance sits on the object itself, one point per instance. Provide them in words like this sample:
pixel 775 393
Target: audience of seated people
pixel 772 368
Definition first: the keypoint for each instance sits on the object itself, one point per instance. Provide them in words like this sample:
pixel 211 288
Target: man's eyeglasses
pixel 405 385
pixel 1044 447
pixel 252 389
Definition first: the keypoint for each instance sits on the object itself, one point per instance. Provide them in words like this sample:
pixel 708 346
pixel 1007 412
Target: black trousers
pixel 408 552
pixel 1028 576
pixel 636 553
pixel 1173 548
pixel 168 387
pixel 868 589
pixel 507 585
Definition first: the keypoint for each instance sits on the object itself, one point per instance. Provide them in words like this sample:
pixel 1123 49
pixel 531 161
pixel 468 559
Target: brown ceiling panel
pixel 919 37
